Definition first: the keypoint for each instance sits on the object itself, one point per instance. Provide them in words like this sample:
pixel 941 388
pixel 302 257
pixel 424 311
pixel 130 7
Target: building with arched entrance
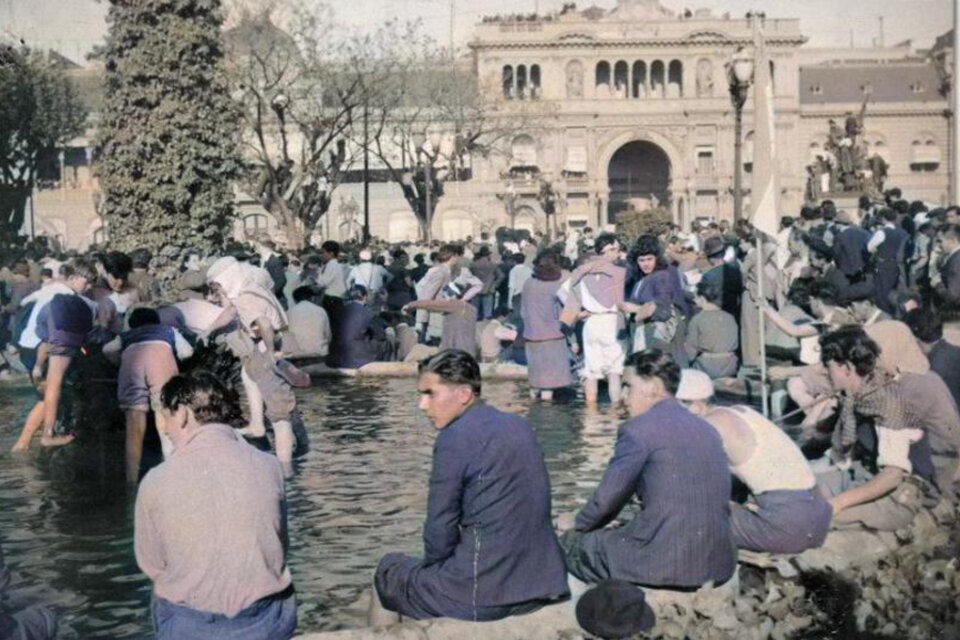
pixel 638 113
pixel 634 112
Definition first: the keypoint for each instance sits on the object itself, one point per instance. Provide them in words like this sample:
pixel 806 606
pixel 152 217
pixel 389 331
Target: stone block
pixel 847 547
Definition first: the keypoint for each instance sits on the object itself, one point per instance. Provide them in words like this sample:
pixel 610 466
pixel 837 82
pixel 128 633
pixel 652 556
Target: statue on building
pixel 845 157
pixel 877 169
pixel 704 78
pixel 575 79
pixel 350 222
pixel 641 9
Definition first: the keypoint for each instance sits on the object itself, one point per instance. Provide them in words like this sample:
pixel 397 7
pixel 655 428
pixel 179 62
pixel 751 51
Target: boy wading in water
pixel 59 323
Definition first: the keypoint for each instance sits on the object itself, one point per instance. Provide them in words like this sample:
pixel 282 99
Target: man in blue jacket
pixel 489 546
pixel 675 464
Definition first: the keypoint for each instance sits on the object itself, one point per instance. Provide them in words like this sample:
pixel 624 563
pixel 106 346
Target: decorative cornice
pixel 673 42
pixel 837 112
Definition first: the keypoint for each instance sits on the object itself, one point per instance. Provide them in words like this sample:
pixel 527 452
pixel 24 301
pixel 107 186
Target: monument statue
pixel 350 221
pixel 844 167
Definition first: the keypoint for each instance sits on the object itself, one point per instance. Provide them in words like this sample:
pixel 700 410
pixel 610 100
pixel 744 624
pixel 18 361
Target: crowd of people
pixel 859 309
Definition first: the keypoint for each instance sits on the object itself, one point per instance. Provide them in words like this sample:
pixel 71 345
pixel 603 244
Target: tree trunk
pixel 13 203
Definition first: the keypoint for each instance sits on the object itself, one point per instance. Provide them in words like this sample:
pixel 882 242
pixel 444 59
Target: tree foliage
pixel 415 90
pixel 40 111
pixel 167 145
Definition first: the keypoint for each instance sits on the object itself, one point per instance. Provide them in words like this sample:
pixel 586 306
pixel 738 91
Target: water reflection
pixel 359 493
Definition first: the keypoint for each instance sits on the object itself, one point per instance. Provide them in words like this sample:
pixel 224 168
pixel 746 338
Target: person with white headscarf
pixel 246 294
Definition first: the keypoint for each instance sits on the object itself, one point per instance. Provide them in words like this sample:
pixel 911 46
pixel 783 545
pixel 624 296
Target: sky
pixel 74 26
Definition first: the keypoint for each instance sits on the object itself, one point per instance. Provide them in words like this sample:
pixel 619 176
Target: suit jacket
pixel 730 279
pixel 849 250
pixel 950 277
pixel 675 464
pixel 489 537
pixel 945 362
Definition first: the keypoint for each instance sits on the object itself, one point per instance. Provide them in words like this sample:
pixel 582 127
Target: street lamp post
pixel 739 77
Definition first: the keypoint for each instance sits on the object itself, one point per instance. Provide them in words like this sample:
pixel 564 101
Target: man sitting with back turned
pixel 489 546
pixel 210 528
pixel 675 464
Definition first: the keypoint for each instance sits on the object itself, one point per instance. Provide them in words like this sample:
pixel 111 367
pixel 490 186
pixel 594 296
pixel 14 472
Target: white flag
pixel 765 191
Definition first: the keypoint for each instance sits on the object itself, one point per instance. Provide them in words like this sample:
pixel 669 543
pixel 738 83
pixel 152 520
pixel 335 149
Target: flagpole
pixel 764 403
pixel 760 59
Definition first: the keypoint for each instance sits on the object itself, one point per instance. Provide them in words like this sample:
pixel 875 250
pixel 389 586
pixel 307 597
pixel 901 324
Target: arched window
pixel 603 73
pixel 675 80
pixel 535 81
pixel 657 72
pixel 639 79
pixel 620 80
pixel 508 81
pixel 521 81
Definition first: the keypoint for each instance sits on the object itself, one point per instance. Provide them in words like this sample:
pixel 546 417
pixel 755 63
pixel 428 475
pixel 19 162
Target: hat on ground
pixel 694 385
pixel 614 609
pixel 714 247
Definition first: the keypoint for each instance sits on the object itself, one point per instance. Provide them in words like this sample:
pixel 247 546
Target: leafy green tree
pixel 40 110
pixel 167 149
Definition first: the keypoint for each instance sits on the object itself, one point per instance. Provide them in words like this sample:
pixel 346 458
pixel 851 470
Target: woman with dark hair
pixel 657 301
pixel 548 356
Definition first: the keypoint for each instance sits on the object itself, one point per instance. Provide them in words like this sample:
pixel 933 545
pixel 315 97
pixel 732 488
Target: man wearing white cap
pixel 371 276
pixel 787 514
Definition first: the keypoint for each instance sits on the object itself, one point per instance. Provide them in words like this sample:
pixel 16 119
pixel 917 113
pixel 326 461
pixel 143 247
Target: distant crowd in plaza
pixel 860 311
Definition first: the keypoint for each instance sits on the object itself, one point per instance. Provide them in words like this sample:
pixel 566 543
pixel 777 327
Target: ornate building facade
pixel 634 112
pixel 639 114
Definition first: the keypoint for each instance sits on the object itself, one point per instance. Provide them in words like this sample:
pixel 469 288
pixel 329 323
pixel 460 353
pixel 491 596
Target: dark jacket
pixel 675 464
pixel 730 280
pixel 950 275
pixel 361 336
pixel 849 250
pixel 488 537
pixel 664 288
pixel 849 288
pixel 945 362
pixel 278 274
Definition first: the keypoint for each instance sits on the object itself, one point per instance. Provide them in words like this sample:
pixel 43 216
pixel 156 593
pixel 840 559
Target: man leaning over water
pixel 210 528
pixel 489 546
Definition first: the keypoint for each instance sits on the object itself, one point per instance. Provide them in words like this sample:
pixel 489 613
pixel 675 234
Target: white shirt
pixel 878 237
pixel 518 277
pixel 333 279
pixel 368 275
pixel 41 298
